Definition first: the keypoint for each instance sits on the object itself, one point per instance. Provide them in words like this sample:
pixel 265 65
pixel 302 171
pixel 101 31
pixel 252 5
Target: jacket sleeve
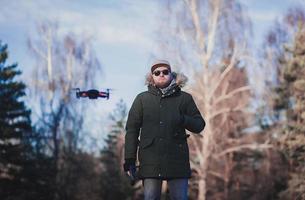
pixel 133 125
pixel 193 120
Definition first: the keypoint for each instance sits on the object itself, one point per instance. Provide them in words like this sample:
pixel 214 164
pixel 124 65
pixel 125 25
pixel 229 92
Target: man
pixel 160 116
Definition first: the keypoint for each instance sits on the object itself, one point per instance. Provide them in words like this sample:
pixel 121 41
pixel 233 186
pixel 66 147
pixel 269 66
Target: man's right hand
pixel 130 169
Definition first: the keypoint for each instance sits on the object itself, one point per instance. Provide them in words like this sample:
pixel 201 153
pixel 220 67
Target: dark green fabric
pixel 160 121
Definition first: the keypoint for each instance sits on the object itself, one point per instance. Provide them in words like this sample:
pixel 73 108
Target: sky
pixel 123 31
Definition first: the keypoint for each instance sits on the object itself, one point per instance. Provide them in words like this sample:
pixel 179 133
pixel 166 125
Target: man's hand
pixel 130 169
pixel 132 172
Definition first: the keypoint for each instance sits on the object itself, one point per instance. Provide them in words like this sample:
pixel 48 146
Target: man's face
pixel 161 76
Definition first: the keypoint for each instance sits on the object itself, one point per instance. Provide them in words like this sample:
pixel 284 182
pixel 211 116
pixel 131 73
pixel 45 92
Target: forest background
pixel 245 62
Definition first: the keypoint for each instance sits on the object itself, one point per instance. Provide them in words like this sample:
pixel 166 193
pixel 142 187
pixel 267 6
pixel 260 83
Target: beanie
pixel 159 63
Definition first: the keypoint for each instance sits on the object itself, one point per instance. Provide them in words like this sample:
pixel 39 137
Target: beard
pixel 163 84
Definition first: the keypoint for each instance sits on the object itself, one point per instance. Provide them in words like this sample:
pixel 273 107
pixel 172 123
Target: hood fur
pixel 180 78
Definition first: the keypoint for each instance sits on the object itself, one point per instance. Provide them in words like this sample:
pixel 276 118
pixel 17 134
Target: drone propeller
pixel 108 90
pixel 75 89
pixel 77 92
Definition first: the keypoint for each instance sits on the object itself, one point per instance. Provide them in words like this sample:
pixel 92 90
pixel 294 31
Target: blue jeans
pixel 177 188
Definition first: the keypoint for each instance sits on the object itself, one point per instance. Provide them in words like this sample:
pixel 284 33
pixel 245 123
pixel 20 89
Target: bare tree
pixel 209 40
pixel 62 62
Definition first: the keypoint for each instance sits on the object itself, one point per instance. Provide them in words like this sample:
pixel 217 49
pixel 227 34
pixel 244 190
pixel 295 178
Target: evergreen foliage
pixel 291 98
pixel 15 127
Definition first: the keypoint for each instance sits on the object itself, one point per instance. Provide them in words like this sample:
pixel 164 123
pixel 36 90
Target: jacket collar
pixel 156 91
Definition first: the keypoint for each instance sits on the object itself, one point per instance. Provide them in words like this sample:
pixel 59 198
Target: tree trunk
pixel 202 188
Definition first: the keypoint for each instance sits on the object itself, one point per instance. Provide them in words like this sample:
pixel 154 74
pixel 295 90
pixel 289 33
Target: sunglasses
pixel 164 72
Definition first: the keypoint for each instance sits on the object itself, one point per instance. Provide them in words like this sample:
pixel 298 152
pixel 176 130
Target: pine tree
pixel 291 98
pixel 115 184
pixel 15 124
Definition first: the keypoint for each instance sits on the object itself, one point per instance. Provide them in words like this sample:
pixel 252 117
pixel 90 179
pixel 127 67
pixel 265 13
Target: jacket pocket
pixel 144 143
pixel 147 151
pixel 178 153
pixel 181 136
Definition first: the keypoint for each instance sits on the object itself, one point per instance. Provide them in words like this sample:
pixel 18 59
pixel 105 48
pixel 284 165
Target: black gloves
pixel 129 166
pixel 128 163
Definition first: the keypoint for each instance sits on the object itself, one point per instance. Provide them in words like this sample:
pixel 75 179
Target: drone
pixel 92 94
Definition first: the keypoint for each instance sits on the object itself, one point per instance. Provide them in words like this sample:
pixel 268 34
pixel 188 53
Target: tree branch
pixel 245 146
pixel 192 4
pixel 232 93
pixel 226 110
pixel 224 73
pixel 212 29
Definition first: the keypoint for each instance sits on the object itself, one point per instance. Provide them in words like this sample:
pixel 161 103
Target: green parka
pixel 155 129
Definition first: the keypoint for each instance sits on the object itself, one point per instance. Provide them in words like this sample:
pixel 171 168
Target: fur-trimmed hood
pixel 180 78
